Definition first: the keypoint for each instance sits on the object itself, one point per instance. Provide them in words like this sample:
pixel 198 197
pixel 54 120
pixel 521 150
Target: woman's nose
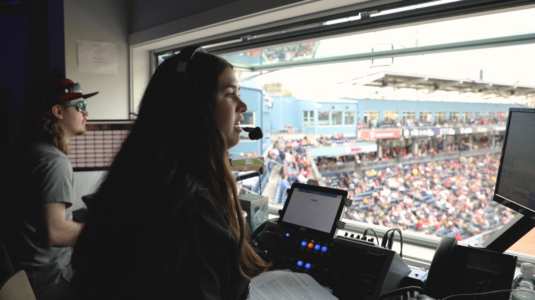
pixel 242 106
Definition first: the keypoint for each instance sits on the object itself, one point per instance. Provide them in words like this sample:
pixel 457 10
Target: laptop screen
pixel 312 209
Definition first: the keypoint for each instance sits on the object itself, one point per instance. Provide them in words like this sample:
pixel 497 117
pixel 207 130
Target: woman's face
pixel 230 108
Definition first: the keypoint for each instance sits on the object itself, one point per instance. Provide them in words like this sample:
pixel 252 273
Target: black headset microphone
pixel 254 133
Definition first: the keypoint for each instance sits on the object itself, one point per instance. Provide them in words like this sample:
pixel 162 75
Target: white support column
pixel 379 149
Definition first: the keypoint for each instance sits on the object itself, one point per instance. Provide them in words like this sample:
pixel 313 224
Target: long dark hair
pixel 39 124
pixel 175 149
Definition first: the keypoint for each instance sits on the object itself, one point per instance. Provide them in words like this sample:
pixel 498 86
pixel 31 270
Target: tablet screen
pixel 313 209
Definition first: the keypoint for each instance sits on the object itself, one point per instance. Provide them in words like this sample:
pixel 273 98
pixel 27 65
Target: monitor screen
pixel 313 207
pixel 515 185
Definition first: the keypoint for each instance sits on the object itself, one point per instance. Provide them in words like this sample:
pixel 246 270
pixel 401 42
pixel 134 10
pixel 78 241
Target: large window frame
pixel 454 116
pixel 440 116
pixel 349 117
pixel 425 116
pixel 409 115
pixel 429 15
pixel 322 121
pixel 337 118
pixel 370 115
pixel 308 118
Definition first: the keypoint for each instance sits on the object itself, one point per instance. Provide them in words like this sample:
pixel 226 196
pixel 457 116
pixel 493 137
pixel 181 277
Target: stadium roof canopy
pixel 399 80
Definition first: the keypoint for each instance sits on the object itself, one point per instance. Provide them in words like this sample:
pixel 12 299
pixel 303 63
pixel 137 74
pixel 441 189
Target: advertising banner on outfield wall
pixel 441 131
pixel 363 147
pixel 371 134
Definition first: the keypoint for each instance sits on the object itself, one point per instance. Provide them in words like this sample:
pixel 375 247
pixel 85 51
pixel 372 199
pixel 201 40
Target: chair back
pixel 17 288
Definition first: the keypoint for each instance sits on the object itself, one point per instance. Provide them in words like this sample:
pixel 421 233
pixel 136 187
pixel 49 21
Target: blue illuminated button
pixel 303 243
pixel 317 247
pixel 299 263
pixel 308 265
pixel 287 234
pixel 324 249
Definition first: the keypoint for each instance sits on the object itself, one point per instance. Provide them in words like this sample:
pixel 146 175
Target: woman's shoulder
pixel 208 213
pixel 205 200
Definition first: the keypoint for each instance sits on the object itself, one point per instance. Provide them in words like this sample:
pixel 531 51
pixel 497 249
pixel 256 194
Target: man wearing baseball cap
pixel 35 218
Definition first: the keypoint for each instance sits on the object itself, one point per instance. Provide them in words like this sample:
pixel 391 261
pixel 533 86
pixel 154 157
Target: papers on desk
pixel 283 285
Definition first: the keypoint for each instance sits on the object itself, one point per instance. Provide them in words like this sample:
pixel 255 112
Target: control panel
pixel 354 269
pixel 297 251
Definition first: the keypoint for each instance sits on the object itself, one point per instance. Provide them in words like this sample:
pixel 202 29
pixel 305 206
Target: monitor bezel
pixel 306 230
pixel 526 211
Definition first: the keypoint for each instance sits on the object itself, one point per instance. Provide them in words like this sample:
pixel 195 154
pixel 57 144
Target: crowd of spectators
pixel 286 52
pixel 292 154
pixel 391 153
pixel 447 197
pixel 409 123
pixel 426 149
pixel 443 198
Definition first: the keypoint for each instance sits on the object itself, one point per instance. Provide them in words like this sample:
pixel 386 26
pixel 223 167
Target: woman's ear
pixel 57 111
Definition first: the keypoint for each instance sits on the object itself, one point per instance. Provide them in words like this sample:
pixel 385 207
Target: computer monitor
pixel 515 184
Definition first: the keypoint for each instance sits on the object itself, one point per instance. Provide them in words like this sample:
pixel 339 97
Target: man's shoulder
pixel 42 151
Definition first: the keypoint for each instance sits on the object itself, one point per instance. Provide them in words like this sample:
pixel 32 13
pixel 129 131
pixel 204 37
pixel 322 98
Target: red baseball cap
pixel 59 90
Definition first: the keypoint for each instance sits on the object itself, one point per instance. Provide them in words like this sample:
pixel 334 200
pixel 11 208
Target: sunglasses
pixel 81 106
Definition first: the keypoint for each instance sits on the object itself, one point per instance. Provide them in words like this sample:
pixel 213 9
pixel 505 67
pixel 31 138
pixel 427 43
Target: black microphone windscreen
pixel 256 134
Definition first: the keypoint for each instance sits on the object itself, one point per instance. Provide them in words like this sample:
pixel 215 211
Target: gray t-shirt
pixel 39 174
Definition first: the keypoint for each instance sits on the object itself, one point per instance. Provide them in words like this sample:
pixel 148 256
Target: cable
pixel 376 238
pixel 390 240
pixel 259 182
pixel 255 241
pixel 478 294
pixel 401 290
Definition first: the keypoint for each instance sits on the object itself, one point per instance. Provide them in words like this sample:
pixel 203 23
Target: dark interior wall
pixel 32 45
pixel 149 13
pixel 15 62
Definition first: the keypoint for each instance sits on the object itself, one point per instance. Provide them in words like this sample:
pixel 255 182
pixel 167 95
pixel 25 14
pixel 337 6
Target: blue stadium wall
pixel 256 102
pixel 433 106
pixel 289 111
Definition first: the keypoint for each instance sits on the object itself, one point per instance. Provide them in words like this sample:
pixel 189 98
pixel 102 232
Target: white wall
pixel 104 21
pixel 85 183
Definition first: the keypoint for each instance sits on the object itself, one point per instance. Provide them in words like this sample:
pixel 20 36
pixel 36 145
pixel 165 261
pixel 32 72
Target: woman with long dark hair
pixel 166 220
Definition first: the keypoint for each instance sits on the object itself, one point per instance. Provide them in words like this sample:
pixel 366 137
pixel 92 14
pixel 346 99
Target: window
pixel 349 117
pixel 371 117
pixel 467 115
pixel 248 118
pixel 323 118
pixel 490 115
pixel 336 117
pixel 409 115
pixel 479 115
pixel 447 64
pixel 501 115
pixel 390 116
pixel 425 117
pixel 440 116
pixel 308 118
